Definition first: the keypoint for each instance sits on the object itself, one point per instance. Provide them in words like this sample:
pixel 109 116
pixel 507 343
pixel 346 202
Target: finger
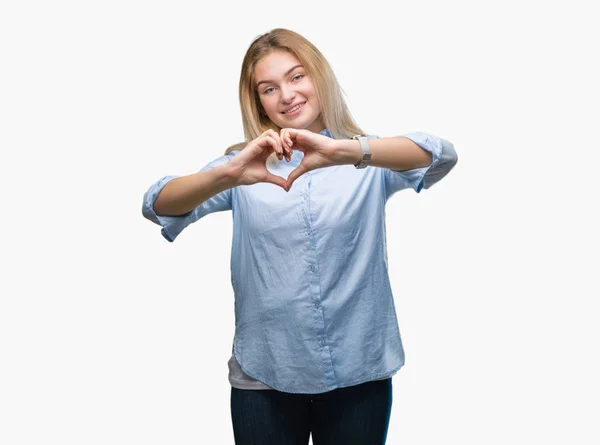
pixel 270 144
pixel 275 135
pixel 298 139
pixel 274 147
pixel 288 146
pixel 284 139
pixel 293 133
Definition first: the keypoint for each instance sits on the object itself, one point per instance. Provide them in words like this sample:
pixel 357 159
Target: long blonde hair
pixel 334 111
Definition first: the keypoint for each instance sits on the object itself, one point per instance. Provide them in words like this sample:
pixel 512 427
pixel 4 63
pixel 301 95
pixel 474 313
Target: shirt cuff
pixel 171 225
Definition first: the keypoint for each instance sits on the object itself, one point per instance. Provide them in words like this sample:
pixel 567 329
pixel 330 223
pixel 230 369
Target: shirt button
pixel 317 304
pixel 321 343
pixel 312 268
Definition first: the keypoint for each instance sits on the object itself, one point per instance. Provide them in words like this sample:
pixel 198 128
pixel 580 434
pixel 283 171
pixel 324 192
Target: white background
pixel 109 334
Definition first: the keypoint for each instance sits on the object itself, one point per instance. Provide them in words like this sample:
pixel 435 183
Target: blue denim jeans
pixel 354 415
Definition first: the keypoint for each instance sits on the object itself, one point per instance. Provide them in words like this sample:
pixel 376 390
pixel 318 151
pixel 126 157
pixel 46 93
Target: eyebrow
pixel 286 73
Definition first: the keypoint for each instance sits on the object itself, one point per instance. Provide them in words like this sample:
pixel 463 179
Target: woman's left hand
pixel 319 150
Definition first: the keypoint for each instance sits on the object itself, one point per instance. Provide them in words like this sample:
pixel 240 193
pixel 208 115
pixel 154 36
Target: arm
pixel 175 202
pixel 397 153
pixel 183 194
pixel 417 160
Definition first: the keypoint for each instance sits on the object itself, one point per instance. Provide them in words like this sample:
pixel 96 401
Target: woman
pixel 316 338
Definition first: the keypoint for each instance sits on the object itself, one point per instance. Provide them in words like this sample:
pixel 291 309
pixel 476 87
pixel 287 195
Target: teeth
pixel 294 109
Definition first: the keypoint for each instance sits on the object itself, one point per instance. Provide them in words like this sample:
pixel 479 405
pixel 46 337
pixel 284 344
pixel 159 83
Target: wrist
pixel 347 152
pixel 229 175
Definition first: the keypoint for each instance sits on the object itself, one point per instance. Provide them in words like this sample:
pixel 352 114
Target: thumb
pixel 295 174
pixel 277 180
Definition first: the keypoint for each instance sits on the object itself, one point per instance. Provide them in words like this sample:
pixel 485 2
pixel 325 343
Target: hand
pixel 319 151
pixel 249 165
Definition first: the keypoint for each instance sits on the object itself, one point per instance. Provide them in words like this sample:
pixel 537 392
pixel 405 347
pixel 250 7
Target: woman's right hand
pixel 249 166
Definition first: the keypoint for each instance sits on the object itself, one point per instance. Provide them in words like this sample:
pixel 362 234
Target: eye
pixel 297 76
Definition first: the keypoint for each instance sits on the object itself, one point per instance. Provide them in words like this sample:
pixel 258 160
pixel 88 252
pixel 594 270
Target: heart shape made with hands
pixel 318 150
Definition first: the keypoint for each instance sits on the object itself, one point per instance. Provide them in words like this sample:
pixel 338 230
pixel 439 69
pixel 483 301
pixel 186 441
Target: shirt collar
pixel 325 132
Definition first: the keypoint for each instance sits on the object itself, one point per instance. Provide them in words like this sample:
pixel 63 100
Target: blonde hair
pixel 334 111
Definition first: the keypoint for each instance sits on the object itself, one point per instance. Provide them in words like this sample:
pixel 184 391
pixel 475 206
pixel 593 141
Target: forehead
pixel 274 65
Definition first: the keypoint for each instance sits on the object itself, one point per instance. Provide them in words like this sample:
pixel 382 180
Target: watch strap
pixel 365 149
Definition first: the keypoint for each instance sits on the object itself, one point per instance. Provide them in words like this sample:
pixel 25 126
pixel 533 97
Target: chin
pixel 305 123
pixel 301 123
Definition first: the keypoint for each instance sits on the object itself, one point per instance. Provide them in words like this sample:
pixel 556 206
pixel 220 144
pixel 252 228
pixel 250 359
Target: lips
pixel 292 107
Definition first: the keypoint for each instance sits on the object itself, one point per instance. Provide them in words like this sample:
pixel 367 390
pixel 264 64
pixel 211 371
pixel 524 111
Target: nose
pixel 287 94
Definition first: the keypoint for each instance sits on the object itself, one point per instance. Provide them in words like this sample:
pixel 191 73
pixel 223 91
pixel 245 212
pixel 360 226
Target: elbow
pixel 152 207
pixel 149 205
pixel 447 161
pixel 148 211
pixel 449 156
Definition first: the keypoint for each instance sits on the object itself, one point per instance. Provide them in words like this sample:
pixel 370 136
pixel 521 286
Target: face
pixel 283 83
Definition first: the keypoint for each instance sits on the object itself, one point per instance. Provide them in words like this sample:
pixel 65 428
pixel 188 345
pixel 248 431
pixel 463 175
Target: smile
pixel 295 109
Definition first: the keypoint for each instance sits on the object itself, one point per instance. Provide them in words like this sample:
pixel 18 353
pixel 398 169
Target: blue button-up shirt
pixel 314 309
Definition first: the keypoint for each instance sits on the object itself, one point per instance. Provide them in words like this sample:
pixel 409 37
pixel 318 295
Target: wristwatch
pixel 366 151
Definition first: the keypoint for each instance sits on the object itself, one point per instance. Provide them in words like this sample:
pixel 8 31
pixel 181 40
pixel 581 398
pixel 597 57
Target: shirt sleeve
pixel 444 158
pixel 173 225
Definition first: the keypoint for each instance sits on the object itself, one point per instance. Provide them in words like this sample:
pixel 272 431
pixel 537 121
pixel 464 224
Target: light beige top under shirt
pixel 239 379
